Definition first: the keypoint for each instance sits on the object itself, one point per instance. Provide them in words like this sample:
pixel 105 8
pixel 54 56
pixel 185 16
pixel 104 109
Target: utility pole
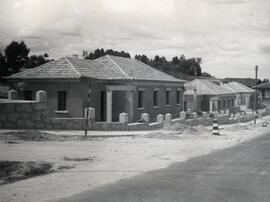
pixel 255 104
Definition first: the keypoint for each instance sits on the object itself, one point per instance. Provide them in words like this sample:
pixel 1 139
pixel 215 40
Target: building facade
pixel 202 95
pixel 111 85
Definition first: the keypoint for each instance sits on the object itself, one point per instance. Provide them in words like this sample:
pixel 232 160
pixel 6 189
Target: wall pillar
pixel 109 106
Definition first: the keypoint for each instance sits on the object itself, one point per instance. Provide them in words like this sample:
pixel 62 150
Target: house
pixel 265 90
pixel 244 96
pixel 109 84
pixel 202 95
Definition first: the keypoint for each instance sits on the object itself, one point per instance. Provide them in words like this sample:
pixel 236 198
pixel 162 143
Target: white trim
pixel 141 89
pixel 61 111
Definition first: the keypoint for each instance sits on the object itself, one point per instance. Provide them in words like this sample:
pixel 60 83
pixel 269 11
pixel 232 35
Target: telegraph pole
pixel 255 105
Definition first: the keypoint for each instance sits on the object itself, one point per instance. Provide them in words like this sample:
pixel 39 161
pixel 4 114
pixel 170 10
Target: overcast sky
pixel 231 36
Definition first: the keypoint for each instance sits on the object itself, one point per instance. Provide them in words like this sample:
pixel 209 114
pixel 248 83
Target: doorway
pixel 103 104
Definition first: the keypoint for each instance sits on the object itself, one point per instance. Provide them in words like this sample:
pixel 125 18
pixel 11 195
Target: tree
pixel 3 66
pixel 36 60
pixel 16 55
pixel 100 52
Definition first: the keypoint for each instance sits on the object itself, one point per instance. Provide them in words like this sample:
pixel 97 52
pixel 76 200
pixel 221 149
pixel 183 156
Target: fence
pixel 21 114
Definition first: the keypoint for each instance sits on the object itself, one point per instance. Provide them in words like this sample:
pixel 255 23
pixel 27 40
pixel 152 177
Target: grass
pixel 11 171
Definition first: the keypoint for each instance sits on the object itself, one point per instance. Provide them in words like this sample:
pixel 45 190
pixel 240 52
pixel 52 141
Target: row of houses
pixel 113 85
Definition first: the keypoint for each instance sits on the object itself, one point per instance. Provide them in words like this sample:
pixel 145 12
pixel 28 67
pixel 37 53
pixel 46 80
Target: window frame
pixel 140 99
pixel 168 97
pixel 61 101
pixel 178 97
pixel 156 98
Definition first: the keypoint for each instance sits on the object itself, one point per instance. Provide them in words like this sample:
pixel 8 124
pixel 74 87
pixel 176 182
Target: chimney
pixel 75 55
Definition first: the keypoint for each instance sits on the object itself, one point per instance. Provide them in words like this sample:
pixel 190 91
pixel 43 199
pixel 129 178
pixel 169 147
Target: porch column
pixel 109 105
pixel 131 104
pixel 211 106
pixel 247 101
pixel 216 105
pixel 195 100
pixel 236 100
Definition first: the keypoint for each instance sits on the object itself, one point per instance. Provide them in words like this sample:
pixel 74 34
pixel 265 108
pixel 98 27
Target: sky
pixel 231 36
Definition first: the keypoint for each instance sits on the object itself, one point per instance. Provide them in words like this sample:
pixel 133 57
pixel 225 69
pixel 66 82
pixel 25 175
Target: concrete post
pixel 92 113
pixel 109 106
pixel 222 112
pixel 183 115
pixel 160 118
pixel 168 117
pixel 232 116
pixel 237 116
pixel 12 94
pixel 204 115
pixel 188 113
pixel 123 117
pixel 145 117
pixel 227 112
pixel 216 114
pixel 194 115
pixel 41 96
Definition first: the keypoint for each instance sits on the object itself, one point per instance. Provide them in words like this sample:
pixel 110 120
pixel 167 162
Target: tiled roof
pixel 106 67
pixel 245 81
pixel 56 69
pixel 264 85
pixel 238 87
pixel 205 87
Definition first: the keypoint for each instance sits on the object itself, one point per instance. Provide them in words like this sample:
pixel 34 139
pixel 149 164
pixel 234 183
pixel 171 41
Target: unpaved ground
pixel 99 161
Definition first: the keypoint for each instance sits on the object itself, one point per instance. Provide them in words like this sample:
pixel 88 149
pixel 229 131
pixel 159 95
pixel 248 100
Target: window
pixel 140 99
pixel 62 103
pixel 155 98
pixel 178 97
pixel 224 104
pixel 167 97
pixel 219 105
pixel 28 95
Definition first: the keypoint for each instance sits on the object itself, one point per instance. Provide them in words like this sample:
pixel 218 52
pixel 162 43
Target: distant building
pixel 249 82
pixel 204 95
pixel 265 90
pixel 244 96
pixel 109 84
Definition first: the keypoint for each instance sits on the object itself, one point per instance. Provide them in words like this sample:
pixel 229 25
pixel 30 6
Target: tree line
pixel 16 58
pixel 178 66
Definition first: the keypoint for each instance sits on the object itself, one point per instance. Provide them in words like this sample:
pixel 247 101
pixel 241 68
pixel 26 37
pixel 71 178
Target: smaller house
pixel 202 95
pixel 265 90
pixel 244 96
